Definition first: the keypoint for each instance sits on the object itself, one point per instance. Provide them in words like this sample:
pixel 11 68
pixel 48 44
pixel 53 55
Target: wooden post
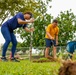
pixel 31 40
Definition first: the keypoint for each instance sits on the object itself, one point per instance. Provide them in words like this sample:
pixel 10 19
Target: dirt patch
pixel 68 68
pixel 41 60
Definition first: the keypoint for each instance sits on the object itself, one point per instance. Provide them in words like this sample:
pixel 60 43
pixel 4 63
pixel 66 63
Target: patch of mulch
pixel 41 60
pixel 68 68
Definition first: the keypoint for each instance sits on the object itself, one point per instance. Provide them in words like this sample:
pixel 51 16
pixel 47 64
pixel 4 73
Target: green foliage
pixel 37 7
pixel 39 33
pixel 63 55
pixel 29 68
pixel 39 24
pixel 9 8
pixel 74 55
pixel 67 22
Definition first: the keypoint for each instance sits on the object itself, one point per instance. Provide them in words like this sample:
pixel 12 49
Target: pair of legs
pixel 49 43
pixel 47 52
pixel 9 37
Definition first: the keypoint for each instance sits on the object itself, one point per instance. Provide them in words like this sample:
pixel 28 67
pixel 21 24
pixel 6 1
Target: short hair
pixel 56 21
pixel 31 15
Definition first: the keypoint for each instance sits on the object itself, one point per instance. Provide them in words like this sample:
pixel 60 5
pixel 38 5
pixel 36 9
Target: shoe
pixel 14 60
pixel 4 59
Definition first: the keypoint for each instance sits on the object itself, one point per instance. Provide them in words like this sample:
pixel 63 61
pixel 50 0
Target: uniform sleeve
pixel 57 31
pixel 48 28
pixel 19 15
pixel 25 25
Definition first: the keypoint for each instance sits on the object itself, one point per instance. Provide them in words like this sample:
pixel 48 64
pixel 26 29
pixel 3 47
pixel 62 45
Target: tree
pixel 67 23
pixel 9 8
pixel 42 20
pixel 39 33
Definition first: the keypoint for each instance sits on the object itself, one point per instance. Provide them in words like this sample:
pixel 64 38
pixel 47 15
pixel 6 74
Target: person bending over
pixel 17 21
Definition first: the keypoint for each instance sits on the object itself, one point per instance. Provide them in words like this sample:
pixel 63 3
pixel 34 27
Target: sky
pixel 57 7
pixel 62 5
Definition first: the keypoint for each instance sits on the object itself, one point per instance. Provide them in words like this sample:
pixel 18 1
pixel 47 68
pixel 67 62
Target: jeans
pixel 9 37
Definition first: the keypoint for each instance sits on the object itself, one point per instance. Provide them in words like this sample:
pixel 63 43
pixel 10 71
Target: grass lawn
pixel 25 67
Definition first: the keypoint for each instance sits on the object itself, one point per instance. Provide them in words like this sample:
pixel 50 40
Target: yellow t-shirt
pixel 53 31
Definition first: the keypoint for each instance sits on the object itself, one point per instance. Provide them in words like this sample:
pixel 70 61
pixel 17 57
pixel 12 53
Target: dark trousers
pixel 9 37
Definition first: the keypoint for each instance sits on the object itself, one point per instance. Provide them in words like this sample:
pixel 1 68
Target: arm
pixel 57 36
pixel 20 21
pixel 48 29
pixel 49 35
pixel 56 39
pixel 29 30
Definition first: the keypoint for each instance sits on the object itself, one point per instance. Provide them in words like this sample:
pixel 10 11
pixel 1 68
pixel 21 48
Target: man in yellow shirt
pixel 51 38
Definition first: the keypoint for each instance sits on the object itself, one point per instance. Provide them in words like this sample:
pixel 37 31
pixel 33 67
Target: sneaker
pixel 14 60
pixel 4 59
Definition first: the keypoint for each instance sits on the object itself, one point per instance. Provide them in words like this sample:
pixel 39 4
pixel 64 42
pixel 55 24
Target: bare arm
pixel 57 39
pixel 49 35
pixel 20 21
pixel 29 30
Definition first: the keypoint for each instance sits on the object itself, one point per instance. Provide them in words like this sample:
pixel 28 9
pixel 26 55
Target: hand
pixel 32 29
pixel 31 20
pixel 51 38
